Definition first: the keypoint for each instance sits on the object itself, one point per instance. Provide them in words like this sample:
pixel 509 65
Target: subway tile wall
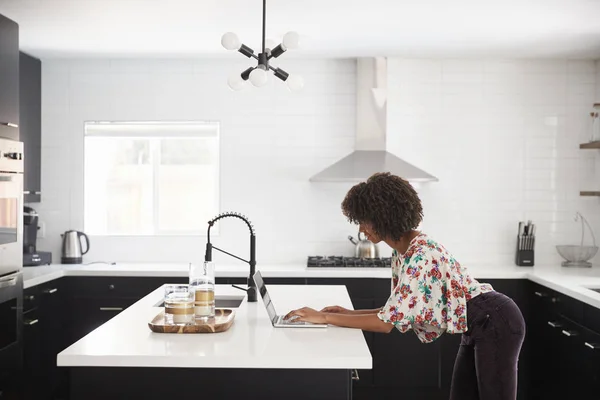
pixel 502 136
pixel 272 141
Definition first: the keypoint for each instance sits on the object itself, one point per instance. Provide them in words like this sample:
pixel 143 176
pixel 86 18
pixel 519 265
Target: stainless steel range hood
pixel 370 154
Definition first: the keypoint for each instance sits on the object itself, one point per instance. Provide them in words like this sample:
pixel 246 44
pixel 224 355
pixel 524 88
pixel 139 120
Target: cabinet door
pixel 542 326
pixel 30 92
pixel 365 375
pixel 450 345
pixel 34 374
pixel 591 359
pixel 9 77
pixel 53 313
pixel 401 360
pixel 90 313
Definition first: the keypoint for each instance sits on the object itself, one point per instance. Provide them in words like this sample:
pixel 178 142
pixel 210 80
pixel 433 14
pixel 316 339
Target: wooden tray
pixel 222 321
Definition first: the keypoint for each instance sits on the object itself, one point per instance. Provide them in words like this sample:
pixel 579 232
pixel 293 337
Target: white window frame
pixel 154 130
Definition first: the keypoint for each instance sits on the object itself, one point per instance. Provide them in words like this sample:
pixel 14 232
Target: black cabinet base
pixel 95 383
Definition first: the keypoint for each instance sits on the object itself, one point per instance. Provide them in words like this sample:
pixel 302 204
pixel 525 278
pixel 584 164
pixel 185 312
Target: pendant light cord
pixel 264 31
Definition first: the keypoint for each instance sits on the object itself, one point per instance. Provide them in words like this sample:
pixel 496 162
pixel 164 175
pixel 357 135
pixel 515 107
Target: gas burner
pixel 348 262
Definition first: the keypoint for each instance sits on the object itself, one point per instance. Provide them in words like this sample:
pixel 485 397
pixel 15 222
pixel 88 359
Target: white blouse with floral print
pixel 430 290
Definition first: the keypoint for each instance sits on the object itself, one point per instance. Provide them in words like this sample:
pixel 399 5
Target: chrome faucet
pixel 209 247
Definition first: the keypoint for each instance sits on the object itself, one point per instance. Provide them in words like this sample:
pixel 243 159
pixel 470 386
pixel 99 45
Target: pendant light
pixel 259 75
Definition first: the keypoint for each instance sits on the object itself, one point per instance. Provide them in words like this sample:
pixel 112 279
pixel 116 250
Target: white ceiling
pixel 331 28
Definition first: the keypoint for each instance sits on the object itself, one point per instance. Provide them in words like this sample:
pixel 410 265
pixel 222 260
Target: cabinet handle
pixel 592 346
pixel 539 294
pixel 37 192
pixel 51 291
pixel 555 324
pixel 8 282
pixel 10 124
pixel 569 333
pixel 30 298
pixel 355 376
pixel 26 192
pixel 111 287
pixel 111 308
pixel 32 322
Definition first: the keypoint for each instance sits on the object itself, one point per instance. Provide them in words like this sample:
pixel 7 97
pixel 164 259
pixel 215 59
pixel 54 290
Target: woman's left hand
pixel 307 314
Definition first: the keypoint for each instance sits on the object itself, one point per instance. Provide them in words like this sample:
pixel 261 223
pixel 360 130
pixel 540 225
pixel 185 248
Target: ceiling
pixel 328 28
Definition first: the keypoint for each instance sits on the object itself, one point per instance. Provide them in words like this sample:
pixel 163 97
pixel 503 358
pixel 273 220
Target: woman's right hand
pixel 336 310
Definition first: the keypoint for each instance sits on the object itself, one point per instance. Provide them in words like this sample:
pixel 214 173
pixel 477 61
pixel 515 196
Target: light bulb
pixel 236 82
pixel 259 77
pixel 291 40
pixel 230 41
pixel 294 83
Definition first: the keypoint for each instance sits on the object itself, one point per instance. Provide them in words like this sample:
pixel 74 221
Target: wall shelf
pixel 590 145
pixel 590 193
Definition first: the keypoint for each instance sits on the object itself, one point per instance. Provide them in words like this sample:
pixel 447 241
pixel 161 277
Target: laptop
pixel 277 320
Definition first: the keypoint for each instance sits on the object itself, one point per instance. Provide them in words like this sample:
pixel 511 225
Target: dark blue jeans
pixel 486 364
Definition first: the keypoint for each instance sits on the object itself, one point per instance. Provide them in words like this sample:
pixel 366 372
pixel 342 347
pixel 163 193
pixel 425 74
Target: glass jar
pixel 179 305
pixel 202 284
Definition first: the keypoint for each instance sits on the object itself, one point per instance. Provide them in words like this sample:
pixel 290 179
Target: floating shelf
pixel 590 145
pixel 588 193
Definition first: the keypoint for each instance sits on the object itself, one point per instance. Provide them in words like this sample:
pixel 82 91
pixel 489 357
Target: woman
pixel 431 294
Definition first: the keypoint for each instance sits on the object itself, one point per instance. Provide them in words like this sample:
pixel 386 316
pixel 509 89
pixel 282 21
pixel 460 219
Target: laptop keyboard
pixel 288 322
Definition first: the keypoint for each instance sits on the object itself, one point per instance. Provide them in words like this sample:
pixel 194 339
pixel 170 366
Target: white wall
pixel 503 138
pixel 272 141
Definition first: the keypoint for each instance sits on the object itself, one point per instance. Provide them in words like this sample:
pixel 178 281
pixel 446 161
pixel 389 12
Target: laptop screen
pixel 262 289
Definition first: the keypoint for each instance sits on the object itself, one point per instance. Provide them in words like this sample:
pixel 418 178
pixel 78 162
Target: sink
pixel 220 302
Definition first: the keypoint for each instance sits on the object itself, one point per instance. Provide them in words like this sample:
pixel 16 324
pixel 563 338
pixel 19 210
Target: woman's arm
pixel 342 310
pixel 366 322
pixel 365 312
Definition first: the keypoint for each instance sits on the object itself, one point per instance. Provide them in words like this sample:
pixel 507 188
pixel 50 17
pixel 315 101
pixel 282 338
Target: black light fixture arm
pixel 264 30
pixel 263 57
pixel 252 262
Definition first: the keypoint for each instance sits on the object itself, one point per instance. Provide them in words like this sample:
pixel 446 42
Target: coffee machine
pixel 32 257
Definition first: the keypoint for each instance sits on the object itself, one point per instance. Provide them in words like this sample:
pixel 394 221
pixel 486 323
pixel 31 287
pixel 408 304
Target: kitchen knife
pixel 521 231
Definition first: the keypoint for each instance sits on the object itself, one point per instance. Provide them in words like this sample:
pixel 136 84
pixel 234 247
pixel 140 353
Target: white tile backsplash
pixel 516 128
pixel 502 136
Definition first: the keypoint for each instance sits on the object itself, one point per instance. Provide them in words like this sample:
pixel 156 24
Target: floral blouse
pixel 430 290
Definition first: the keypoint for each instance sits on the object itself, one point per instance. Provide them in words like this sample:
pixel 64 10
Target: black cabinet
pixel 95 300
pixel 43 338
pixel 9 79
pixel 401 363
pixel 30 99
pixel 565 346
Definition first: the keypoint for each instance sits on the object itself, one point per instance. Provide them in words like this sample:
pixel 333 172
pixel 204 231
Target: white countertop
pixel 251 342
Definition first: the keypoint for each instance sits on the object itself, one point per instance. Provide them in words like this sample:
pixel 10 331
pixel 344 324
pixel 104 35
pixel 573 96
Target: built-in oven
pixel 11 262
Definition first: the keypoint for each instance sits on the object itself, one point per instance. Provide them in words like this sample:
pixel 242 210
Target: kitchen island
pixel 123 359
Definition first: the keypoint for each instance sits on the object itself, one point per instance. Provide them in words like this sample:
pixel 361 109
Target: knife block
pixel 524 258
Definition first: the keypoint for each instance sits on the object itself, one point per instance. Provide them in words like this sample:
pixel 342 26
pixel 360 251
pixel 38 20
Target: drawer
pixel 358 288
pixel 285 281
pixel 31 298
pixel 591 318
pixel 118 287
pixel 382 289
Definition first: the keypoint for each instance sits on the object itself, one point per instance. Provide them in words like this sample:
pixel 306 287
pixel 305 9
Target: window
pixel 150 178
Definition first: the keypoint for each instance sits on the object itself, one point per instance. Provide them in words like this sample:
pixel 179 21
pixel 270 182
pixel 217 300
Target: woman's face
pixel 369 232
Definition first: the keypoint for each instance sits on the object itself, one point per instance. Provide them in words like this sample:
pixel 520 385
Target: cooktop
pixel 347 262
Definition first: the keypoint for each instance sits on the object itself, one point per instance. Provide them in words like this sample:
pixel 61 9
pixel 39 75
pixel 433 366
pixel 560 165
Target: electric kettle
pixel 72 251
pixel 364 248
